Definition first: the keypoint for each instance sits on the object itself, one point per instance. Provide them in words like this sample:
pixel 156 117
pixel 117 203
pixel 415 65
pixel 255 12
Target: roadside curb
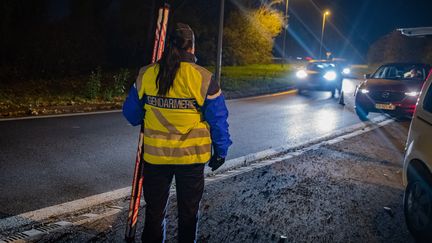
pixel 287 92
pixel 253 95
pixel 280 151
pixel 58 115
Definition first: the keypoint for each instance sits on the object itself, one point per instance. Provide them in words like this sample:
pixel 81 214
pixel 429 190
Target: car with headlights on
pixel 393 89
pixel 319 76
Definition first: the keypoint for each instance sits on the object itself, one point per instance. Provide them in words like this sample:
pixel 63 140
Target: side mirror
pixel 367 76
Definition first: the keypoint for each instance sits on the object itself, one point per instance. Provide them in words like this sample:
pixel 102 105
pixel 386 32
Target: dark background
pixel 354 24
pixel 58 38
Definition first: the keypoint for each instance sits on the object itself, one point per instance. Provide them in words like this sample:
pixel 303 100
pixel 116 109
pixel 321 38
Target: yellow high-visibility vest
pixel 174 130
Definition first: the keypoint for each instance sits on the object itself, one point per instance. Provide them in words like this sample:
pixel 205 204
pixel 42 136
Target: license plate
pixel 385 106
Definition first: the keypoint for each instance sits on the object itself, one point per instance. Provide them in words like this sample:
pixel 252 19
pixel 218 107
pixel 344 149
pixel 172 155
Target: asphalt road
pixel 44 162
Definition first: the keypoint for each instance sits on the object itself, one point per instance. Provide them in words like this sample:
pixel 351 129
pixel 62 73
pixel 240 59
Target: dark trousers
pixel 189 189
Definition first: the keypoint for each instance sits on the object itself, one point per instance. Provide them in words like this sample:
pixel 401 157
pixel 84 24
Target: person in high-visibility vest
pixel 184 115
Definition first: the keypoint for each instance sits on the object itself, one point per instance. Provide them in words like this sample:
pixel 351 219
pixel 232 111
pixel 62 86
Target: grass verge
pixel 70 95
pixel 242 81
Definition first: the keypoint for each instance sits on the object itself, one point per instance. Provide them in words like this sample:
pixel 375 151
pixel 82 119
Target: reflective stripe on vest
pixel 174 131
pixel 176 152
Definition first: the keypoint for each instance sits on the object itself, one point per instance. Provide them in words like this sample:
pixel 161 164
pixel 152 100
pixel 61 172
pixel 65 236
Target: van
pixel 418 168
pixel 417 173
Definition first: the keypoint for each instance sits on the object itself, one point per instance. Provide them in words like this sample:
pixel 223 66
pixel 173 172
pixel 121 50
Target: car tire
pixel 361 113
pixel 418 207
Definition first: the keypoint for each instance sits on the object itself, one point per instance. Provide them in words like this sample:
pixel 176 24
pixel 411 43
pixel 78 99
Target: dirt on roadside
pixel 348 192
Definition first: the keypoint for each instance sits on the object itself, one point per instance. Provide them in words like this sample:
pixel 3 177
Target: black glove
pixel 216 162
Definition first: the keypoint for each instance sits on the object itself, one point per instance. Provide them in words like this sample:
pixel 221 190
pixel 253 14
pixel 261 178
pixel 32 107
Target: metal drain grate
pixel 39 230
pixel 48 228
pixel 15 237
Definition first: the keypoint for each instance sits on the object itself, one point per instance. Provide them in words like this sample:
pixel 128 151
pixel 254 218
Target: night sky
pixel 353 24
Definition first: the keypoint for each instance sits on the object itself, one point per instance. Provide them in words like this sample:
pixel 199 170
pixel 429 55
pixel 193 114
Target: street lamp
pixel 219 43
pixel 285 32
pixel 325 14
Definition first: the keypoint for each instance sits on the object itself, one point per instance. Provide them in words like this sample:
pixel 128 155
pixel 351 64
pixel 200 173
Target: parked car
pixel 319 76
pixel 417 173
pixel 418 168
pixel 393 89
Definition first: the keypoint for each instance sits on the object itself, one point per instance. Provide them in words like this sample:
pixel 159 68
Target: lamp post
pixel 285 32
pixel 219 44
pixel 326 13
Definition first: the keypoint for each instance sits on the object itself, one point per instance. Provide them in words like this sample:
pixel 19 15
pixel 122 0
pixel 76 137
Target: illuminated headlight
pixel 346 71
pixel 364 91
pixel 330 75
pixel 301 74
pixel 412 93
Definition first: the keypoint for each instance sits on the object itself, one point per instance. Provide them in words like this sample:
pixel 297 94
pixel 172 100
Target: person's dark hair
pixel 180 40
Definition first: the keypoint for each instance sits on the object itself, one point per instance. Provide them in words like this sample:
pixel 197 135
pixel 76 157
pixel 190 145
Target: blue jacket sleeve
pixel 133 108
pixel 216 114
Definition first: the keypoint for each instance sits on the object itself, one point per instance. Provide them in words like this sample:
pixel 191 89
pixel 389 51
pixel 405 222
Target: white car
pixel 417 176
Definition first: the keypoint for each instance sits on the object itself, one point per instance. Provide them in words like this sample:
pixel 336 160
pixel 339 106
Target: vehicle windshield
pixel 406 72
pixel 319 66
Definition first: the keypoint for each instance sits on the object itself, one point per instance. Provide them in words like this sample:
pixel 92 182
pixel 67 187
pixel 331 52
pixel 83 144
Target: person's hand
pixel 216 162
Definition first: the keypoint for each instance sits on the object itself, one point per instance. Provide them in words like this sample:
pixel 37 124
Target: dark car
pixel 319 76
pixel 392 89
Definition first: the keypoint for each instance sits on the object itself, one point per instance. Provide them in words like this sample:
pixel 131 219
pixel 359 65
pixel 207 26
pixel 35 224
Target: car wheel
pixel 418 208
pixel 361 113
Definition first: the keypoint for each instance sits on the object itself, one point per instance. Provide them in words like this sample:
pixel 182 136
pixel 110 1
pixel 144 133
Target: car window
pixel 427 103
pixel 403 72
pixel 379 73
pixel 318 66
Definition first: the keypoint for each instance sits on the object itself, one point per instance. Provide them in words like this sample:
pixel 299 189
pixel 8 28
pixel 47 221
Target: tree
pixel 395 47
pixel 249 35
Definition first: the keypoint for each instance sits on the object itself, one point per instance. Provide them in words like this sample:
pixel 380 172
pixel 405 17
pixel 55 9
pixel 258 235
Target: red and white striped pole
pixel 138 179
pixel 161 30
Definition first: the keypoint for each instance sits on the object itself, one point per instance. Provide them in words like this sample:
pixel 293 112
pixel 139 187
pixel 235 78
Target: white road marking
pixel 291 91
pixel 233 164
pixel 59 115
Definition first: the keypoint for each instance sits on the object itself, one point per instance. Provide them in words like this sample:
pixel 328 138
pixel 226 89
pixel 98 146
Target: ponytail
pixel 181 40
pixel 168 67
